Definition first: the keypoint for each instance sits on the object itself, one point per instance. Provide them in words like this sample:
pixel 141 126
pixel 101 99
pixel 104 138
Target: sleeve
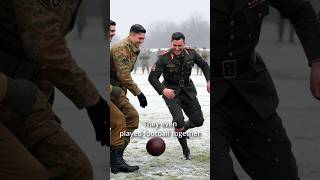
pixel 121 62
pixel 44 43
pixel 156 71
pixel 203 65
pixel 304 19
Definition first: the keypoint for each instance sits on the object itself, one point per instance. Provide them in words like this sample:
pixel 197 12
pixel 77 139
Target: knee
pixel 199 122
pixel 134 115
pixel 134 119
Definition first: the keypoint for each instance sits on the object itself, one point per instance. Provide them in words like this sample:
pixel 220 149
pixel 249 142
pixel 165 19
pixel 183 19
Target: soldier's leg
pixel 117 125
pixel 130 113
pixel 175 108
pixel 44 137
pixel 193 110
pixel 16 162
pixel 264 150
pixel 143 67
pixel 220 153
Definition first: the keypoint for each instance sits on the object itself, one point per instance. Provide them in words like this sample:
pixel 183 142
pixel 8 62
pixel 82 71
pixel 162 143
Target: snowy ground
pixel 170 165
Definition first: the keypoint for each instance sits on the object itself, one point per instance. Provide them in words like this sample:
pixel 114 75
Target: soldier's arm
pixel 203 65
pixel 304 20
pixel 120 60
pixel 44 43
pixel 156 71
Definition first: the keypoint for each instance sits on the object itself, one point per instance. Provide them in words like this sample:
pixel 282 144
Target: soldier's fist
pixel 142 100
pixel 99 115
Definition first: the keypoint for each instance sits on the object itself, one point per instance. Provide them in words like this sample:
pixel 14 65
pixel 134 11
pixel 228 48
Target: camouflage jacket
pixel 33 46
pixel 123 57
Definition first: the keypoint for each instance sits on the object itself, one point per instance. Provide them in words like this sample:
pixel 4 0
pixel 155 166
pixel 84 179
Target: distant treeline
pixel 195 28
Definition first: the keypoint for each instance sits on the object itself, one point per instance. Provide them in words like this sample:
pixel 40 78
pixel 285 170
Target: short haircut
pixel 112 23
pixel 178 36
pixel 137 28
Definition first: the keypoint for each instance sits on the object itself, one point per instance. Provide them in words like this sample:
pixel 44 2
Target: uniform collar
pixel 172 55
pixel 132 46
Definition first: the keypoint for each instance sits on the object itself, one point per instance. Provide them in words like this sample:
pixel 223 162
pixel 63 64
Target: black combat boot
pixel 118 164
pixel 185 148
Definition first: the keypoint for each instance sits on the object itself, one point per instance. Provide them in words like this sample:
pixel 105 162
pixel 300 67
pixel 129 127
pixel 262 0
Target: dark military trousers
pixel 37 147
pixel 191 108
pixel 261 146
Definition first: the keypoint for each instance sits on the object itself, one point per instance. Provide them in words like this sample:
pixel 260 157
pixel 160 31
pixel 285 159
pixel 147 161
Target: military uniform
pixel 244 96
pixel 176 72
pixel 123 57
pixel 33 47
pixel 144 57
pixel 117 122
pixel 204 55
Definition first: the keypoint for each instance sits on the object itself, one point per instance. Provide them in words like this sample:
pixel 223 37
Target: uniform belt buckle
pixel 181 83
pixel 229 69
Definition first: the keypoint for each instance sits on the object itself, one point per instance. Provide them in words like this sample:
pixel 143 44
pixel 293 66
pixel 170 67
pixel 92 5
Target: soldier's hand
pixel 208 86
pixel 99 116
pixel 169 93
pixel 142 100
pixel 315 80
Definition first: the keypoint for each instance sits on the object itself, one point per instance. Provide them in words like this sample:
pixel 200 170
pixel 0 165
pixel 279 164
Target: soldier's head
pixel 112 29
pixel 137 34
pixel 178 43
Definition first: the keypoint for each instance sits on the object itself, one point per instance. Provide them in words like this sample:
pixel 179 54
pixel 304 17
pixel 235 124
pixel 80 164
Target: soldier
pixel 34 49
pixel 112 29
pixel 123 57
pixel 204 55
pixel 244 96
pixel 177 89
pixel 117 125
pixel 144 57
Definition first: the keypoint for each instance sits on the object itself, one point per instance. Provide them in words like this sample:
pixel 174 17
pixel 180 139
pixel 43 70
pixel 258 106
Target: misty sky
pixel 144 12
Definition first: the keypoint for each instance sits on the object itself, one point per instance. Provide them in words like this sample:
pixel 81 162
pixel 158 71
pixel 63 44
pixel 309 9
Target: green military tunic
pixel 176 71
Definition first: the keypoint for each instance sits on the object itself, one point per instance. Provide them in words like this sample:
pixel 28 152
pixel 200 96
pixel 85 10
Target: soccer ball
pixel 156 146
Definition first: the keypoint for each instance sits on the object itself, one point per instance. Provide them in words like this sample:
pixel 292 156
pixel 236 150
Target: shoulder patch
pixel 164 53
pixel 52 4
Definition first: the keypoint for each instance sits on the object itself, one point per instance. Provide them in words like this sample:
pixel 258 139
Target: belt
pixel 234 68
pixel 180 83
